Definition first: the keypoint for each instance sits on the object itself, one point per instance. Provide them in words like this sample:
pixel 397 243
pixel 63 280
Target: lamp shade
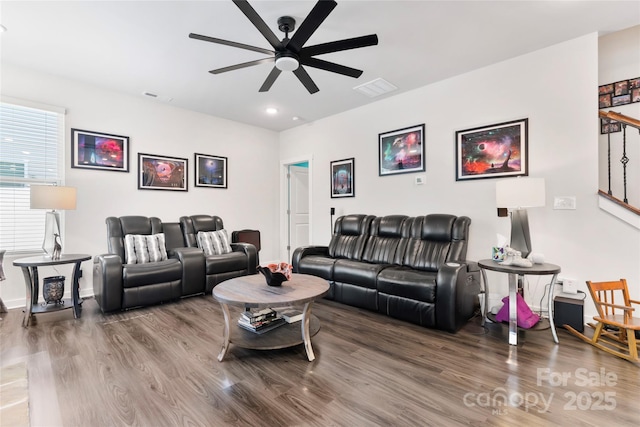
pixel 520 193
pixel 53 197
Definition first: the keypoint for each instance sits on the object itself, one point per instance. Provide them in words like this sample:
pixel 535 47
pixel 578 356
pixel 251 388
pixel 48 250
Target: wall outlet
pixel 569 286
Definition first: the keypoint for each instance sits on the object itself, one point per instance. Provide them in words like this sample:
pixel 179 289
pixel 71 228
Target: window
pixel 30 153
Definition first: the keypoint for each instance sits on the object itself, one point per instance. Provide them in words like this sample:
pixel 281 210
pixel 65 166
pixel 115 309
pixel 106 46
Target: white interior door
pixel 298 209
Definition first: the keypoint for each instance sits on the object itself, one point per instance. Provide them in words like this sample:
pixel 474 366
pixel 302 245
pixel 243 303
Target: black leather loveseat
pixel 411 268
pixel 120 284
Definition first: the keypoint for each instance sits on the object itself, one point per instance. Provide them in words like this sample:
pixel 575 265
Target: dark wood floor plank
pixel 157 366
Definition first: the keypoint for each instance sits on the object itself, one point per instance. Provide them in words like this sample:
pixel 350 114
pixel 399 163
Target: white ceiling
pixel 143 46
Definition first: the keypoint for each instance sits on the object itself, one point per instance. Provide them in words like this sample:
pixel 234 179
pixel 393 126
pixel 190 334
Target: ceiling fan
pixel 291 54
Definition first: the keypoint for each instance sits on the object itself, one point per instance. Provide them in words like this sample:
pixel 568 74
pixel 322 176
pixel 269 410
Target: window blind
pixel 30 153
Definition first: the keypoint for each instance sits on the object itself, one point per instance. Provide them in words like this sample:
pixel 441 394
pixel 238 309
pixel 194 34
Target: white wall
pixel 153 128
pixel 556 89
pixel 619 59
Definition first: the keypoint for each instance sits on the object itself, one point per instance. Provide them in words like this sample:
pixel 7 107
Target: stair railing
pixel 626 122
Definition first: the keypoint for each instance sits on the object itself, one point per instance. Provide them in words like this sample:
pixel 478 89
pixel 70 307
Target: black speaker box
pixel 569 311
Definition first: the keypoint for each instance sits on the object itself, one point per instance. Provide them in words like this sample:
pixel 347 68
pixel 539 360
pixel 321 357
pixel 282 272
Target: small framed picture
pixel 401 151
pixel 162 172
pixel 604 101
pixel 634 83
pixel 621 100
pixel 621 88
pixel 604 89
pixel 342 178
pixel 609 126
pixel 635 95
pixel 211 171
pixel 100 151
pixel 494 151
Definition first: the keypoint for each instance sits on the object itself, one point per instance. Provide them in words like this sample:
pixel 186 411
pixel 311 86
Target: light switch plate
pixel 564 202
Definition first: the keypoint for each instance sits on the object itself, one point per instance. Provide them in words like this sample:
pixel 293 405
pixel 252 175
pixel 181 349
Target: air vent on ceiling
pixel 375 88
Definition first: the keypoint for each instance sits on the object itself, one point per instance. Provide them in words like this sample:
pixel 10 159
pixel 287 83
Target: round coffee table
pixel 253 292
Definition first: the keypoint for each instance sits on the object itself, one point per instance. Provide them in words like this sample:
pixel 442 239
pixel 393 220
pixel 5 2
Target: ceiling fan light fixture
pixel 287 63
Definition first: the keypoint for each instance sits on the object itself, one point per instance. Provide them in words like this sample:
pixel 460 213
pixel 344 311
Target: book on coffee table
pixel 291 315
pixel 262 326
pixel 256 316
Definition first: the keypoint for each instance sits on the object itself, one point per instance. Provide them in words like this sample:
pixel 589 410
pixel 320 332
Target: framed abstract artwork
pixel 401 151
pixel 162 172
pixel 100 151
pixel 342 178
pixel 494 151
pixel 211 171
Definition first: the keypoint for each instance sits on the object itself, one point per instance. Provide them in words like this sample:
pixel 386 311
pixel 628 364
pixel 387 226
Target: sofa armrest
pixel 458 286
pixel 194 278
pixel 252 255
pixel 107 282
pixel 304 251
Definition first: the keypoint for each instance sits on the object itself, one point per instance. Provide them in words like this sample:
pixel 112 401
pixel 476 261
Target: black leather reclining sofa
pixel 187 271
pixel 411 268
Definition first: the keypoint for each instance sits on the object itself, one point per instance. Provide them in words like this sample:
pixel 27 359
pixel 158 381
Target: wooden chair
pixel 616 329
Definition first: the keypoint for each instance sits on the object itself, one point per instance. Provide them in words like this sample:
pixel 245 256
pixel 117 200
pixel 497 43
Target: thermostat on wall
pixel 420 180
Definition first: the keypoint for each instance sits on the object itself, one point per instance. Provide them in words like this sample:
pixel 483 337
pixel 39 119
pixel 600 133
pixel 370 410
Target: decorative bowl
pixel 273 278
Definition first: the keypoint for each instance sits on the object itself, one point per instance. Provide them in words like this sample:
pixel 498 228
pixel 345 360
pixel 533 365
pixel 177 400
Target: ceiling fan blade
pixel 331 66
pixel 258 22
pixel 271 78
pixel 243 65
pixel 230 43
pixel 305 79
pixel 337 46
pixel 318 14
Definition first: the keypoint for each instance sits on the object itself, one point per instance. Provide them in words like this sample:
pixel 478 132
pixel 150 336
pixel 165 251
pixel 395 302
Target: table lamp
pixel 52 197
pixel 517 195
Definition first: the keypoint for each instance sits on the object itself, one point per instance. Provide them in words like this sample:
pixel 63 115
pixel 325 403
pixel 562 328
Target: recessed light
pixel 271 110
pixel 296 118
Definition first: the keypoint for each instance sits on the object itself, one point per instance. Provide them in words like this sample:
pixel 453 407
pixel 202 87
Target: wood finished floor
pixel 157 366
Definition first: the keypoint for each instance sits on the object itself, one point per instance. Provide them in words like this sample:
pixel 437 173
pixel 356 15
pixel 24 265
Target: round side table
pixel 30 271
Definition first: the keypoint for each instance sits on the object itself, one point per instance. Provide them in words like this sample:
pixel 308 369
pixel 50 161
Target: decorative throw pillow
pixel 214 242
pixel 142 248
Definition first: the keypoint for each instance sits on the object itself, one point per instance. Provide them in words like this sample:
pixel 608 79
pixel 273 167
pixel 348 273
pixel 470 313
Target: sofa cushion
pixel 234 261
pixel 151 273
pixel 214 242
pixel 317 265
pixel 430 242
pixel 349 237
pixel 357 272
pixel 408 283
pixel 388 239
pixel 141 248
